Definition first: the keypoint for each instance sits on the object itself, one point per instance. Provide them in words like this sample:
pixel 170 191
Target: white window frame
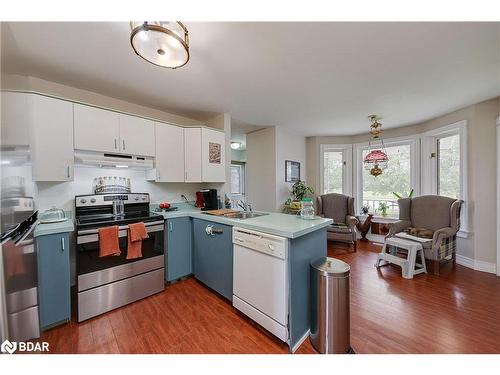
pixel 430 172
pixel 414 143
pixel 346 150
pixel 242 168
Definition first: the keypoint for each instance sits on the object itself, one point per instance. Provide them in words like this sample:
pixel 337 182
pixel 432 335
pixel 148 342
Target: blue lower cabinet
pixel 53 279
pixel 179 259
pixel 213 256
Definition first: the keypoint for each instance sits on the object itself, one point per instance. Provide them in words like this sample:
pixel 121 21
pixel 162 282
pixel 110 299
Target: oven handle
pixel 122 227
pixel 81 239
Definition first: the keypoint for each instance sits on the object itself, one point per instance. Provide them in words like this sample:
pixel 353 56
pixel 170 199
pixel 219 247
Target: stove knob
pixel 136 198
pixel 143 198
pixel 92 200
pixel 83 200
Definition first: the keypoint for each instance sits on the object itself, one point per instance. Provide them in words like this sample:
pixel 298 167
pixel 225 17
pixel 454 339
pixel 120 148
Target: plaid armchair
pixel 340 208
pixel 439 214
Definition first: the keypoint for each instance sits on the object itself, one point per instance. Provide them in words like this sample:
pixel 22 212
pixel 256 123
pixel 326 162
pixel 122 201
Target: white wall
pixel 239 155
pixel 261 169
pixel 267 150
pixel 289 146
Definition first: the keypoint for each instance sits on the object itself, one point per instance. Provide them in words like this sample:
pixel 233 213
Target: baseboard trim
pixel 299 343
pixel 477 265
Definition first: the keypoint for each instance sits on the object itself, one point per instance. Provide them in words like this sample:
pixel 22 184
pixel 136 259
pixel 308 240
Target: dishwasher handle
pixel 211 231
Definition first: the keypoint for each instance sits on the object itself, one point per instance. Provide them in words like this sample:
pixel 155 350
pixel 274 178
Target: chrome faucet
pixel 245 206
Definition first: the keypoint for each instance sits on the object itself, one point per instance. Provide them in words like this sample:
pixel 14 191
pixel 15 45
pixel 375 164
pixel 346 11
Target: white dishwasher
pixel 260 279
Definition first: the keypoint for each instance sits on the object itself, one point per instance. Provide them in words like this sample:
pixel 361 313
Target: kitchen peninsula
pixel 202 244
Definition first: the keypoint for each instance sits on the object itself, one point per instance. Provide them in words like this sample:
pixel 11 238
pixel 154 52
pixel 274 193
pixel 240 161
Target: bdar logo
pixel 8 347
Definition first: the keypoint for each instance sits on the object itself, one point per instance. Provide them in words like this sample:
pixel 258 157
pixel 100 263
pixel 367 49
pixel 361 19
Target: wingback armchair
pixel 439 214
pixel 340 208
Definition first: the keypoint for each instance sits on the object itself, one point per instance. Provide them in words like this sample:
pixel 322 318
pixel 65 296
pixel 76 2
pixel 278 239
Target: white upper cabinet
pixel 169 162
pixel 96 129
pixel 205 155
pixel 51 134
pixel 101 130
pixel 213 155
pixel 192 152
pixel 15 119
pixel 137 136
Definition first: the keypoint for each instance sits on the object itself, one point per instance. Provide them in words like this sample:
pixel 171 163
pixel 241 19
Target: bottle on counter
pixel 307 209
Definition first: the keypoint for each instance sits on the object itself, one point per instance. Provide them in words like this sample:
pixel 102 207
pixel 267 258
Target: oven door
pixel 87 243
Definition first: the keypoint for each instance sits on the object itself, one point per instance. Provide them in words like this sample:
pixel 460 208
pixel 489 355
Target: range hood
pixel 107 160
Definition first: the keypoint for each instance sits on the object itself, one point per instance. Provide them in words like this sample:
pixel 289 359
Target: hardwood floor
pixel 456 312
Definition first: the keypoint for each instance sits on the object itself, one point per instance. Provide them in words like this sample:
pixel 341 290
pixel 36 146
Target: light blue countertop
pixel 289 226
pixel 284 225
pixel 54 228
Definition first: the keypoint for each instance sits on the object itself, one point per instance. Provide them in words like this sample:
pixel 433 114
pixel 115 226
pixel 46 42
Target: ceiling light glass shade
pixel 235 145
pixel 375 162
pixel 162 43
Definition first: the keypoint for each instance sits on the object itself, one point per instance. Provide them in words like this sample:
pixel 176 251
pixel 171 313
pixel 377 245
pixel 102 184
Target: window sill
pixel 380 219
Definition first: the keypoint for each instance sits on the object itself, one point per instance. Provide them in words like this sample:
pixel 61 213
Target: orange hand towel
pixel 136 233
pixel 108 241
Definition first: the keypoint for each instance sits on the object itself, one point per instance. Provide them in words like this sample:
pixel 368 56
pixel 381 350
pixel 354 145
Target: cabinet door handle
pixel 62 244
pixel 68 171
pixel 123 144
pixel 170 226
pixel 116 144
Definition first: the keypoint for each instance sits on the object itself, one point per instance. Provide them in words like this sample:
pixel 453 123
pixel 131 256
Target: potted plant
pixel 383 207
pixel 403 195
pixel 299 191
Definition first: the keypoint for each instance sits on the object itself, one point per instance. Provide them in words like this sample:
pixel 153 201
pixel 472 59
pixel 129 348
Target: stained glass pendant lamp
pixel 162 43
pixel 376 161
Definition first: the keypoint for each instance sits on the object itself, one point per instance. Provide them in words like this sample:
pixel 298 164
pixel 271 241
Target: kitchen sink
pixel 244 215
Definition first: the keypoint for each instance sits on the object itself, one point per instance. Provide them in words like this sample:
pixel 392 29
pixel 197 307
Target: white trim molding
pixel 476 265
pixel 429 167
pixel 498 196
pixel 346 150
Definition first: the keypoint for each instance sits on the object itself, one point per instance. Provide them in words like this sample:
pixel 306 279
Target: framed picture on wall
pixel 214 153
pixel 292 171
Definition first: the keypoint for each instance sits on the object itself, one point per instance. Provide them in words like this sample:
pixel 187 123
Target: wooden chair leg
pixel 433 267
pixel 355 245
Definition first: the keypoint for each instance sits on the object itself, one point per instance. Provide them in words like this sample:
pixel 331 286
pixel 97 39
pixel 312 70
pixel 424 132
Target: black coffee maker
pixel 206 199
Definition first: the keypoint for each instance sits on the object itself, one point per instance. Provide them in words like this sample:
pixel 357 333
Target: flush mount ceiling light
pixel 235 145
pixel 162 43
pixel 376 161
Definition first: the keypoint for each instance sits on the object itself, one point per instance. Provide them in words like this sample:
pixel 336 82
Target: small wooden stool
pixel 409 266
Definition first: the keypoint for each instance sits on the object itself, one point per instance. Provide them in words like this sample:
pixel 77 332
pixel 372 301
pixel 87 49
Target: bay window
pixel 400 177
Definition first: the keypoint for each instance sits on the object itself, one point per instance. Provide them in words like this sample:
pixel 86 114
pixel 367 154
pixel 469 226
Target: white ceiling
pixel 314 78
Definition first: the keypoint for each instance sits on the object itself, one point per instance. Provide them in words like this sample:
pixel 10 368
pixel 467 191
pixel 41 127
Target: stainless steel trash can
pixel 330 295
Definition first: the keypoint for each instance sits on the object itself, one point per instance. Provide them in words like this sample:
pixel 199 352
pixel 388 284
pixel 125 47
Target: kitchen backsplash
pixel 62 195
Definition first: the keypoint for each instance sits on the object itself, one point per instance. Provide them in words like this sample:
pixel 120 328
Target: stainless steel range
pixel 105 283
